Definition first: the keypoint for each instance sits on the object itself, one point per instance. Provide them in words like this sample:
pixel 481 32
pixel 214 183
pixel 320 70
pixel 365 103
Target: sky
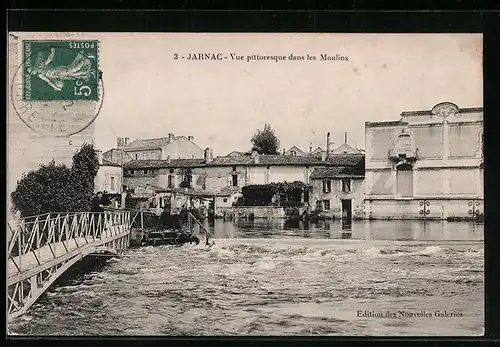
pixel 222 103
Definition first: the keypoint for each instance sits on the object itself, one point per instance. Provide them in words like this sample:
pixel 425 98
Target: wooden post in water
pixel 142 221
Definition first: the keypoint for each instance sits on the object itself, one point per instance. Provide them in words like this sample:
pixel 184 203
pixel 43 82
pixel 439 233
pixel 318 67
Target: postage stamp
pixel 60 70
pixel 57 90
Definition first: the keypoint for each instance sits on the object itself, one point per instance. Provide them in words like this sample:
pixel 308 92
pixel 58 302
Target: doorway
pixel 346 211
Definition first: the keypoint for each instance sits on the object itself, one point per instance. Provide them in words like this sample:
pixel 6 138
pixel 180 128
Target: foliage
pixel 289 194
pixel 290 204
pixel 57 188
pixel 131 202
pixel 187 177
pixel 265 141
pixel 292 211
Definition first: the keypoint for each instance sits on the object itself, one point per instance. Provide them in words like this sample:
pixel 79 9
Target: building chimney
pixel 327 145
pixel 170 137
pixel 323 156
pixel 255 157
pixel 191 138
pixel 126 141
pixel 209 155
pixel 310 148
pixel 119 142
pixel 345 137
pixel 99 156
pixel 168 159
pixel 284 151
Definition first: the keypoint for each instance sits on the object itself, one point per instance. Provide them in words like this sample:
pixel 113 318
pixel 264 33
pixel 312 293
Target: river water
pixel 380 278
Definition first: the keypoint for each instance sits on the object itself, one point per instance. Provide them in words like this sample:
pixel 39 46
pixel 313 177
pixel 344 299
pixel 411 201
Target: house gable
pixel 345 149
pixel 181 148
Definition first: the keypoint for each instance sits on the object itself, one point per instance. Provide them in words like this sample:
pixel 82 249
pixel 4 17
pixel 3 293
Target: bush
pixel 292 211
pixel 262 194
pixel 57 188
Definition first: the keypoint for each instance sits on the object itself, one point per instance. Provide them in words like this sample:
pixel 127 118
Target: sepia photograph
pixel 245 184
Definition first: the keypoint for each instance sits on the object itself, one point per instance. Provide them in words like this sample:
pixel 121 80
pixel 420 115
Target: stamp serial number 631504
pixel 60 70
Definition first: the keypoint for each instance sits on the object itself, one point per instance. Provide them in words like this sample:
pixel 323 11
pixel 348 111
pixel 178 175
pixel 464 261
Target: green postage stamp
pixel 60 70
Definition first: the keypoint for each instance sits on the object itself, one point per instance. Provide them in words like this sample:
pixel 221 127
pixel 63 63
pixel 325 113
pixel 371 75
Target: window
pixel 153 156
pixel 131 172
pixel 327 186
pixel 346 185
pixel 326 204
pixel 136 156
pixel 171 170
pixel 404 180
pixel 170 181
pixel 403 144
pixel 234 168
pixel 319 205
pixel 224 200
pixel 235 180
pixel 145 171
pixel 293 153
pixel 113 183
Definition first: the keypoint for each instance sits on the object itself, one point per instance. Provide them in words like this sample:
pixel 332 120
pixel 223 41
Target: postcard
pixel 244 184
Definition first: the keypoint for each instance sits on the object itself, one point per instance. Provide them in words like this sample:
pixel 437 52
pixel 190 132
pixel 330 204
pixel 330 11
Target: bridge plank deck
pixel 29 261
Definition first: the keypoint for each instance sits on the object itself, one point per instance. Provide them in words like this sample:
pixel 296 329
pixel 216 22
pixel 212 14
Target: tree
pixel 57 188
pixel 265 141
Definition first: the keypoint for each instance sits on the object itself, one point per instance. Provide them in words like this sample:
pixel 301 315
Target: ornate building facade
pixel 428 164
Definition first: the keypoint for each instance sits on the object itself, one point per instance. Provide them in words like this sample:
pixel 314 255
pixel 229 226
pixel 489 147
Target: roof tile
pixel 337 172
pixel 149 143
pixel 106 162
pixel 176 163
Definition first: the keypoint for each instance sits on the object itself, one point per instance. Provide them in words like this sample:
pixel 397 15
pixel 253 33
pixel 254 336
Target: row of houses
pixel 427 164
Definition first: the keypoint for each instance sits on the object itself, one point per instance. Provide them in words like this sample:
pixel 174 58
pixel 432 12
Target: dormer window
pixel 293 153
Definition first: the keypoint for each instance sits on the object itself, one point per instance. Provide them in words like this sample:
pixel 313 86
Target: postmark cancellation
pixel 57 88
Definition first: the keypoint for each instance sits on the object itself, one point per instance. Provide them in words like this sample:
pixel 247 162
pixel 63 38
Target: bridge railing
pixel 203 231
pixel 58 229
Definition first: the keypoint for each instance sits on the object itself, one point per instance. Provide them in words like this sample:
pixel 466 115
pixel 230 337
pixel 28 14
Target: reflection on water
pixel 401 230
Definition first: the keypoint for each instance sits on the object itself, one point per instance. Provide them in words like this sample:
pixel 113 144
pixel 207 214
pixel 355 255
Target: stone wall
pixel 410 208
pixel 259 212
pixel 103 179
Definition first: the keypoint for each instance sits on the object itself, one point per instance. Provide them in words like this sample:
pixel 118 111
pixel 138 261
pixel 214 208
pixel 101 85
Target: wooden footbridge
pixel 43 247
